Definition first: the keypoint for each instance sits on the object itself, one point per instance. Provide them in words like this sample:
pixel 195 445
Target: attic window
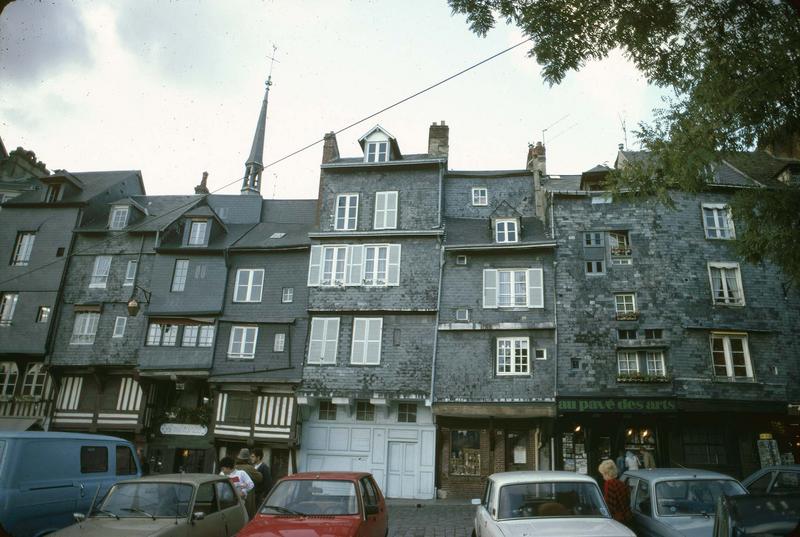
pixel 119 217
pixel 506 230
pixel 278 235
pixel 377 152
pixel 197 232
pixel 53 193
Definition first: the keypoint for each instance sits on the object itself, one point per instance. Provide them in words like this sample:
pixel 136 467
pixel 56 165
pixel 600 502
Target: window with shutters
pixel 8 303
pixel 726 284
pixel 386 210
pixel 324 340
pixel 179 275
pixel 197 232
pixel 243 342
pixel 717 221
pixel 346 212
pixel 84 329
pixel 506 230
pixel 249 284
pixel 354 265
pixel 513 288
pixel 102 266
pixel 130 273
pixel 118 218
pixel 513 357
pixel 22 248
pixel 366 349
pixel 119 327
pixel 731 356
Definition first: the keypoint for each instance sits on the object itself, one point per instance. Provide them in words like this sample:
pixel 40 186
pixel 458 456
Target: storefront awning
pixel 19 424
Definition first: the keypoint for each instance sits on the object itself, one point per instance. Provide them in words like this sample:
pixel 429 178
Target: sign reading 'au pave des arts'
pixel 617 405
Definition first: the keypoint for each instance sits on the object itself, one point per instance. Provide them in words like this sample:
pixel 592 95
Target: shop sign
pixel 765 436
pixel 185 429
pixel 617 405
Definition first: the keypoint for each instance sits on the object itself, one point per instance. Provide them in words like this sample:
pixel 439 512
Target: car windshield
pixel 693 496
pixel 312 497
pixel 148 500
pixel 551 499
pixel 765 515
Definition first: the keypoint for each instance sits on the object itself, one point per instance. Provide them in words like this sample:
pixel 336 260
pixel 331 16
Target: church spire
pixel 251 184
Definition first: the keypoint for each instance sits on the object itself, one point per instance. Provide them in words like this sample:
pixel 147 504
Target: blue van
pixel 46 477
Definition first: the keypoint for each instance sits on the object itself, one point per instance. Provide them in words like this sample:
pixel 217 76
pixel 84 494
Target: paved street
pixel 429 518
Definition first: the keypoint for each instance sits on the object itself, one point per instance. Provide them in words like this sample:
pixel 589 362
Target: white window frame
pixel 34 380
pixel 324 334
pixel 630 358
pixel 280 342
pixel 241 352
pixel 593 239
pixel 118 217
pixel 351 261
pixel 338 255
pixel 540 354
pixel 462 314
pixel 726 338
pixel 120 323
pixel 461 260
pixel 512 287
pixel 169 335
pixel 650 362
pixel 43 314
pixel 23 248
pixel 180 273
pixel 480 199
pixel 533 282
pixel 728 299
pixel 287 295
pixel 366 343
pixel 130 273
pixel 245 282
pixel 723 221
pixel 372 276
pixel 377 151
pixel 622 305
pixel 8 303
pixel 506 224
pixel 100 272
pixel 197 232
pixel 189 337
pixel 350 205
pixel 154 332
pixel 525 368
pixel 205 338
pixel 9 375
pixel 84 328
pixel 386 209
pixel 623 253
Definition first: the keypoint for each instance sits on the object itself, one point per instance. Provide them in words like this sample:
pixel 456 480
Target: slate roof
pixel 499 174
pixel 295 218
pixel 360 160
pixel 94 183
pixel 562 183
pixel 478 231
pixel 161 211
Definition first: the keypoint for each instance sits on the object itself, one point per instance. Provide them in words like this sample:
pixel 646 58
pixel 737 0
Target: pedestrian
pixel 616 493
pixel 243 463
pixel 631 461
pixel 239 478
pixel 257 459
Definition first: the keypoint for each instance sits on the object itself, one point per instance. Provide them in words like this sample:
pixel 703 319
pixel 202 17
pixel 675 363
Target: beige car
pixel 185 505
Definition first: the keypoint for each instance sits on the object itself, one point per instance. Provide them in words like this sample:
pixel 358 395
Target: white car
pixel 544 504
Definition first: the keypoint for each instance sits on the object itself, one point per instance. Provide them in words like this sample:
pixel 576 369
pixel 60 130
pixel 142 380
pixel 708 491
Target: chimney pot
pixel 621 147
pixel 202 188
pixel 330 149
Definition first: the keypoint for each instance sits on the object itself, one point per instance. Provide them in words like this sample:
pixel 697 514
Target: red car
pixel 322 503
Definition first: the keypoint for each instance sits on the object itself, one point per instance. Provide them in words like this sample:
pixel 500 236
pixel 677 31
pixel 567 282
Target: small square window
pixel 626 334
pixel 287 295
pixel 480 197
pixel 59 252
pixel 574 363
pixel 327 411
pixel 540 354
pixel 280 342
pixel 595 268
pixel 407 413
pixel 462 314
pixel 461 260
pixel 43 315
pixel 365 411
pixel 653 333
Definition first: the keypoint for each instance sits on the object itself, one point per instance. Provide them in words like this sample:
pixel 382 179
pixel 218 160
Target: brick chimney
pixel 330 149
pixel 438 140
pixel 202 188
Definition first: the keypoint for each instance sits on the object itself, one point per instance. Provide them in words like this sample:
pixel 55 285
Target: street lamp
pixel 133 303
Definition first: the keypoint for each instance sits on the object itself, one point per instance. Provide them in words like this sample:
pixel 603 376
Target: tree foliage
pixel 732 68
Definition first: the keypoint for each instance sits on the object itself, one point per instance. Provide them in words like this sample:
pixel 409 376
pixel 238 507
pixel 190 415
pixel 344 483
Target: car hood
pixel 307 526
pixel 556 526
pixel 690 526
pixel 124 527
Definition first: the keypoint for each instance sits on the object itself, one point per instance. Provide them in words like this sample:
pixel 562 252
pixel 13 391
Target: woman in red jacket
pixel 616 493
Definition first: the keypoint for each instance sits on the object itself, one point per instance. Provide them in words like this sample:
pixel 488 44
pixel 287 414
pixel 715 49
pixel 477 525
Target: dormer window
pixel 119 217
pixel 197 233
pixel 53 193
pixel 505 230
pixel 377 152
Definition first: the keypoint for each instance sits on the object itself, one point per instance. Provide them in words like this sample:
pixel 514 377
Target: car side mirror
pixel 371 510
pixel 199 515
pixel 475 501
pixel 79 517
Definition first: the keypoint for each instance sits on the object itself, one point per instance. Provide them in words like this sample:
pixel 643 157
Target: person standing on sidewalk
pixel 257 460
pixel 616 493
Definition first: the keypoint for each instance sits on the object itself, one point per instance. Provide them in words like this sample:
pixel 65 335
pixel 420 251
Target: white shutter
pixel 316 342
pixel 257 283
pixel 331 342
pixel 489 288
pixel 359 346
pixel 380 210
pixel 391 210
pixel 355 265
pixel 535 288
pixel 314 265
pixel 394 265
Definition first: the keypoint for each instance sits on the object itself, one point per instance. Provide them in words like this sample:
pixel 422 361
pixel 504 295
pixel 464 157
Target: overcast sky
pixel 174 88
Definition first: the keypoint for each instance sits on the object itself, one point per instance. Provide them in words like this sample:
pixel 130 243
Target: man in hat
pixel 243 463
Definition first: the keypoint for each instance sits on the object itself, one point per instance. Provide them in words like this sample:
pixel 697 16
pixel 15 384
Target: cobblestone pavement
pixel 430 518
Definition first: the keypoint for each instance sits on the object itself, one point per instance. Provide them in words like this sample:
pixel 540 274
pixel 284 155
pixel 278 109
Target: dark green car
pixel 185 505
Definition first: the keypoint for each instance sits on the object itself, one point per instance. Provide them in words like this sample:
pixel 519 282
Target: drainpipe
pixel 555 332
pixel 436 322
pixel 441 186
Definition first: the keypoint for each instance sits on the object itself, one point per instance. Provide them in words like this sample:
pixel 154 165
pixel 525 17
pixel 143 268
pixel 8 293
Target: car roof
pixel 349 476
pixel 189 479
pixel 510 478
pixel 662 474
pixel 40 435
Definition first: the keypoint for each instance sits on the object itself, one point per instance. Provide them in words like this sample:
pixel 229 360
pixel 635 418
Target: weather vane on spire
pixel 272 63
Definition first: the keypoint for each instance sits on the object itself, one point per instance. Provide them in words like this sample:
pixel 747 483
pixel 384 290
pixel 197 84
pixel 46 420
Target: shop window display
pixel 465 453
pixel 573 451
pixel 640 448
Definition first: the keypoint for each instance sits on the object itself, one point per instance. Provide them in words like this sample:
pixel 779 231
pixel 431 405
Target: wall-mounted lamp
pixel 577 428
pixel 133 304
